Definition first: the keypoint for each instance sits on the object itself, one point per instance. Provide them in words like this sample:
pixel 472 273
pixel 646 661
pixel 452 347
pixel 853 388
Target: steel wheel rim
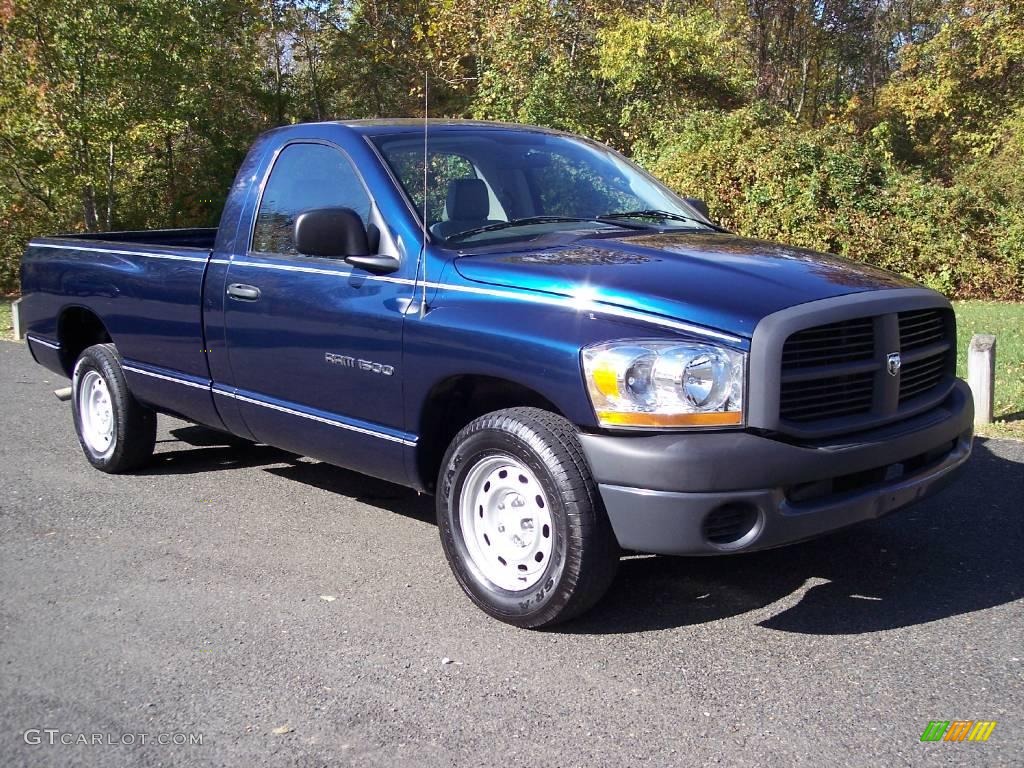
pixel 96 413
pixel 506 522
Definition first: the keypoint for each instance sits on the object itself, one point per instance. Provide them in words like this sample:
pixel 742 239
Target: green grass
pixel 6 327
pixel 1006 322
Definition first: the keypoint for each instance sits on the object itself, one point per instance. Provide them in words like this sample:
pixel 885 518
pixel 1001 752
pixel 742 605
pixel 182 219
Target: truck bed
pixel 197 237
pixel 147 286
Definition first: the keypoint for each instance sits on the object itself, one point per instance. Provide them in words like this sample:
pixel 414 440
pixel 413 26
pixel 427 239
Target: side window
pixel 442 169
pixel 305 176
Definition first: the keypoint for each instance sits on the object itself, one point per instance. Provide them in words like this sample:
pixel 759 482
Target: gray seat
pixel 467 205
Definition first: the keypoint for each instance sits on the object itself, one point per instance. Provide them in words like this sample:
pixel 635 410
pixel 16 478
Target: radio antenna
pixel 426 127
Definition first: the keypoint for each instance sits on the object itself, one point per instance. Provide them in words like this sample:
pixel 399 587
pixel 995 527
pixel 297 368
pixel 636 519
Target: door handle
pixel 243 292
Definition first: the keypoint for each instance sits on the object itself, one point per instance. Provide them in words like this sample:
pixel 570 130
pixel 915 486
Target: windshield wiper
pixel 535 220
pixel 654 213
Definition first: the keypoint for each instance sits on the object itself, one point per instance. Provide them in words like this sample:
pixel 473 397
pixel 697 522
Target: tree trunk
pixel 89 207
pixel 312 53
pixel 84 155
pixel 171 180
pixel 110 188
pixel 278 73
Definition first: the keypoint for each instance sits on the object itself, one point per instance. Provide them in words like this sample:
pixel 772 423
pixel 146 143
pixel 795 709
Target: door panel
pixel 314 344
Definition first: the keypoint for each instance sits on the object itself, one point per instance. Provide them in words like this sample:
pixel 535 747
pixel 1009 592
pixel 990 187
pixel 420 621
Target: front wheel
pixel 521 520
pixel 117 432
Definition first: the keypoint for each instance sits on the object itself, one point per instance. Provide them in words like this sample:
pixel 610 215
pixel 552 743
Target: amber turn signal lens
pixel 714 419
pixel 607 382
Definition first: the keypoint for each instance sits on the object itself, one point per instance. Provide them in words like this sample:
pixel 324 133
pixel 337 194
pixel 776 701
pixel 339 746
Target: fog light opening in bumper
pixel 733 525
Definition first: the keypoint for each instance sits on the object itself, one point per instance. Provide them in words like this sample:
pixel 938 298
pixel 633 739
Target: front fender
pixel 504 335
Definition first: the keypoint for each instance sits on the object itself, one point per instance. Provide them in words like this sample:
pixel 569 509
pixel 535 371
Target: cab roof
pixel 379 126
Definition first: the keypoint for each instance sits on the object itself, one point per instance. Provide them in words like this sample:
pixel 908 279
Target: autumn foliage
pixel 890 131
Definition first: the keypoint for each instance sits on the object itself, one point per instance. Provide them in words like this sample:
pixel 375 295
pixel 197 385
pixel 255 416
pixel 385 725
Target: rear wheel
pixel 521 520
pixel 117 433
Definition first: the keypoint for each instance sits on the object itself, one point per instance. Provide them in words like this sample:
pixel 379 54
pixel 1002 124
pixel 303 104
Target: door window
pixel 442 168
pixel 305 176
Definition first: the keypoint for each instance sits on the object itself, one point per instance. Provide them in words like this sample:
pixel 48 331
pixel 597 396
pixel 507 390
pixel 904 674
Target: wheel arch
pixel 454 402
pixel 78 328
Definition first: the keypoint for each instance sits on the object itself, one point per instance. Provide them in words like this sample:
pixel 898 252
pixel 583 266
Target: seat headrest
pixel 467 200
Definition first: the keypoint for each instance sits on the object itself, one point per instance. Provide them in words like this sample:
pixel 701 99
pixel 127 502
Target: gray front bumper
pixel 662 491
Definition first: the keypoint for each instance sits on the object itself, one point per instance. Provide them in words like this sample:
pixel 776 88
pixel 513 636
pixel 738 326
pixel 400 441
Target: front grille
pixel 921 328
pixel 844 375
pixel 828 344
pixel 920 376
pixel 830 398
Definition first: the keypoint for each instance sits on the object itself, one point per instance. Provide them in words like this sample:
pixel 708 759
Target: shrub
pixel 834 189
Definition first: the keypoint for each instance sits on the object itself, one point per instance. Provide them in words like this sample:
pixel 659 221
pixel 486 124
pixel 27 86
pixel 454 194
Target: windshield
pixel 495 184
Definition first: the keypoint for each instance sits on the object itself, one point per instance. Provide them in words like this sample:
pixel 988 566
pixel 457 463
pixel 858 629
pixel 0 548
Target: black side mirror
pixel 339 232
pixel 700 205
pixel 331 232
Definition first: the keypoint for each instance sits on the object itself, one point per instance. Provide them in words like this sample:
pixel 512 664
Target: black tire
pixel 134 425
pixel 584 553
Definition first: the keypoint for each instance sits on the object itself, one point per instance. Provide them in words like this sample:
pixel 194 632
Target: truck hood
pixel 716 280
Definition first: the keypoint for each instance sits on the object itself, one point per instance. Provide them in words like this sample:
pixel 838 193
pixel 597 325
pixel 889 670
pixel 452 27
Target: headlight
pixel 665 384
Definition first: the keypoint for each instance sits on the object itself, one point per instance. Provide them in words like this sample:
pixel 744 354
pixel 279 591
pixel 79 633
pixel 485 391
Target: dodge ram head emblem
pixel 893 363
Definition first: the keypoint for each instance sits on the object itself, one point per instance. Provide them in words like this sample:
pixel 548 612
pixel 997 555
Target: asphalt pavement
pixel 287 613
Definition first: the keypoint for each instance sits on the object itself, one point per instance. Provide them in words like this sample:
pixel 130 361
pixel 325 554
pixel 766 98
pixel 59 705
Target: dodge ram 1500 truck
pixel 572 358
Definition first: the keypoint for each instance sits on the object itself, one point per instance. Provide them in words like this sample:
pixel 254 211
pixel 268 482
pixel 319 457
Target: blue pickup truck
pixel 574 360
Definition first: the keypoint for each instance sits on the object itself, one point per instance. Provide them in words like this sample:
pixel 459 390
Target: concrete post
pixel 981 375
pixel 19 332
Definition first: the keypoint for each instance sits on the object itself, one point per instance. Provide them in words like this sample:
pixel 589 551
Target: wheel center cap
pixel 518 530
pixel 104 410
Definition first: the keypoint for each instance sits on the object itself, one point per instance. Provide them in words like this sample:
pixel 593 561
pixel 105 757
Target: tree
pixel 953 91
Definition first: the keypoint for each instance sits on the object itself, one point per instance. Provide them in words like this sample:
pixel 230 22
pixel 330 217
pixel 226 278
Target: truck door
pixel 314 344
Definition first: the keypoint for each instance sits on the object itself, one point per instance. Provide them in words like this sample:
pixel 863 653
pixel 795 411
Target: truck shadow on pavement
pixel 369 490
pixel 958 552
pixel 211 451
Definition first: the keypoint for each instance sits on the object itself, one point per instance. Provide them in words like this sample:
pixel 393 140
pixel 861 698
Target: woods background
pixel 889 131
